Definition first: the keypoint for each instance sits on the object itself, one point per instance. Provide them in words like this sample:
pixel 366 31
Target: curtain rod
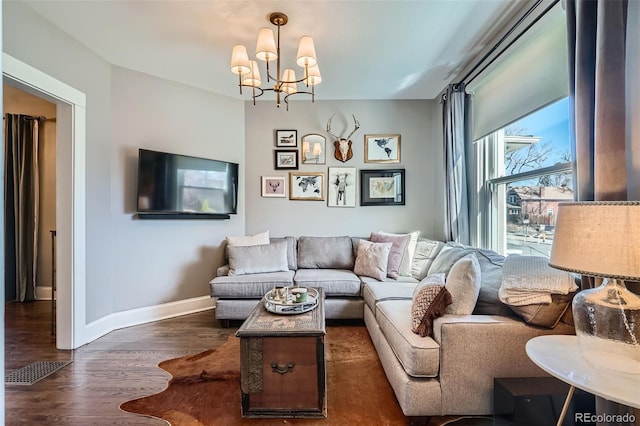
pixel 502 40
pixel 31 117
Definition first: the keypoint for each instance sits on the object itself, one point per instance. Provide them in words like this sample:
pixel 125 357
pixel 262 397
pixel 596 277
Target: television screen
pixel 171 183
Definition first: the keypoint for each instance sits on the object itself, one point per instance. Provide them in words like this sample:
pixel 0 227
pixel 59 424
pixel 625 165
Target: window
pixel 526 170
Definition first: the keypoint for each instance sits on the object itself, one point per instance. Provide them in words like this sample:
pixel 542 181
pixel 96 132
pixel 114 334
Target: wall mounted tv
pixel 172 186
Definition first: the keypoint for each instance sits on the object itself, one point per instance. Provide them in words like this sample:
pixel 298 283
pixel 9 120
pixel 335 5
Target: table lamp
pixel 602 239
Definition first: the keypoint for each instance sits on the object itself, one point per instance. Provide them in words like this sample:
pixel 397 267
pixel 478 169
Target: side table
pixel 559 356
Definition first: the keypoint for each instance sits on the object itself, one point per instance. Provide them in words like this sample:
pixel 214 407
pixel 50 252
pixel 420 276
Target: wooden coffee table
pixel 282 364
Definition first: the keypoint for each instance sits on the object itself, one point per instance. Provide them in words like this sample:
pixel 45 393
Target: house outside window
pixel 525 171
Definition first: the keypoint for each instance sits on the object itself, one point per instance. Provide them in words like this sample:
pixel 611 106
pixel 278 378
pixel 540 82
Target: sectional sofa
pixel 448 372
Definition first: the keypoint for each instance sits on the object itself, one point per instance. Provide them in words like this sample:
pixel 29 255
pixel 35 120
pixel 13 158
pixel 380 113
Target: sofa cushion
pixel 490 274
pixel 409 252
pixel 258 258
pixel 325 253
pixel 463 282
pixel 419 356
pixel 372 258
pixel 430 300
pixel 426 252
pixel 335 282
pixel 248 240
pixel 397 250
pixel 251 286
pixel 374 291
pixel 292 258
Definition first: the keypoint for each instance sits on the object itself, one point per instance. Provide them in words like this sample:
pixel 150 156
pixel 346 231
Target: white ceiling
pixel 382 49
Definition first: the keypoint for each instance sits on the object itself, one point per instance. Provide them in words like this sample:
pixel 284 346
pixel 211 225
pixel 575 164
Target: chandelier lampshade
pixel 240 60
pixel 268 50
pixel 266 47
pixel 306 56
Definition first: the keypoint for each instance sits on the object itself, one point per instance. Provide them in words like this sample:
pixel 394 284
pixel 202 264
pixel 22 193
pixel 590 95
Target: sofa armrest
pixel 475 349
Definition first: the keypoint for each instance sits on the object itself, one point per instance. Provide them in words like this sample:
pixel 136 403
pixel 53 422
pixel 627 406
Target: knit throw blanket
pixel 528 280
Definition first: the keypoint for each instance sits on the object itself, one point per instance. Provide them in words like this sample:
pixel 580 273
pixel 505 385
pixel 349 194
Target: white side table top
pixel 559 356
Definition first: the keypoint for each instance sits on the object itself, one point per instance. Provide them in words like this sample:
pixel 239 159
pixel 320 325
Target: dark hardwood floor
pixel 104 373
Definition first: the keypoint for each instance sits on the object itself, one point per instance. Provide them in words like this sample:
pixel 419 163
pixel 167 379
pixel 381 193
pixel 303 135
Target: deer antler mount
pixel 343 151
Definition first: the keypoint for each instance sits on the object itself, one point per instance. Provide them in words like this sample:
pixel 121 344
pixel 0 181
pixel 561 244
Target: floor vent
pixel 33 372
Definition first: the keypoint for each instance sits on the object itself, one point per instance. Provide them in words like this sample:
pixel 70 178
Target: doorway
pixel 70 194
pixel 42 112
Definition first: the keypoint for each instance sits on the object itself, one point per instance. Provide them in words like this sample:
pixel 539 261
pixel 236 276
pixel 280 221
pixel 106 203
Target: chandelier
pixel 267 50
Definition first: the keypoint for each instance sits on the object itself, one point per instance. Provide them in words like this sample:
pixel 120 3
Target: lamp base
pixel 607 321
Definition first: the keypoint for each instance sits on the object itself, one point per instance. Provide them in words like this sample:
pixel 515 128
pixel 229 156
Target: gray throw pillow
pixel 258 259
pixel 325 253
pixel 291 250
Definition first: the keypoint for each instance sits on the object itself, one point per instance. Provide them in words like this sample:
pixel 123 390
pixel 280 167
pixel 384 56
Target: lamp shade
pixel 289 84
pixel 317 149
pixel 252 78
pixel 600 239
pixel 312 75
pixel 306 52
pixel 266 46
pixel 240 60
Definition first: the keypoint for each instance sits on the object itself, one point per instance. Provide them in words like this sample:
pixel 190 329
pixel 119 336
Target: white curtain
pixel 456 138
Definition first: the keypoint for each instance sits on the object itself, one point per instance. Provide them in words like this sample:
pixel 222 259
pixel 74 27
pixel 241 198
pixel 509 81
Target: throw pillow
pixel 258 258
pixel 430 299
pixel 426 252
pixel 463 282
pixel 409 251
pixel 249 240
pixel 397 251
pixel 372 259
pixel 547 314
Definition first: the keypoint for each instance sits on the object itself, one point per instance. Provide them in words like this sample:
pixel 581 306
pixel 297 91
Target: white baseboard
pixel 145 315
pixel 43 293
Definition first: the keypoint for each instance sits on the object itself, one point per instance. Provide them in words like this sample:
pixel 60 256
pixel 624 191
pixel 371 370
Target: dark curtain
pixel 597 56
pixel 21 204
pixel 456 135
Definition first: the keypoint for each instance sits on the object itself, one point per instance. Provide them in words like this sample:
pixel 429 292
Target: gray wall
pixel 418 124
pixel 159 261
pixel 132 263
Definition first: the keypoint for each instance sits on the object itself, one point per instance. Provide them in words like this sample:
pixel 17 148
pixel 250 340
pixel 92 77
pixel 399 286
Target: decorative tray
pixel 286 305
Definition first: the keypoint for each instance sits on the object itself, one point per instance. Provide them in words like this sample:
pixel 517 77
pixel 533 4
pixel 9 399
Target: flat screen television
pixel 180 186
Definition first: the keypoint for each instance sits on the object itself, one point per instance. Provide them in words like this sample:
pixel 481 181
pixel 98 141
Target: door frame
pixel 70 194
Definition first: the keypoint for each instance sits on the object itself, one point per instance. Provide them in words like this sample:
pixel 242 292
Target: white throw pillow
pixel 249 240
pixel 372 259
pixel 409 252
pixel 463 282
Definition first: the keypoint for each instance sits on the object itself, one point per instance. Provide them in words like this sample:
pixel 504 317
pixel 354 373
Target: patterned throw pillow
pixel 430 299
pixel 372 258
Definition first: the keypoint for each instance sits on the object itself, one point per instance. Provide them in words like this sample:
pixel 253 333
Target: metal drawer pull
pixel 276 368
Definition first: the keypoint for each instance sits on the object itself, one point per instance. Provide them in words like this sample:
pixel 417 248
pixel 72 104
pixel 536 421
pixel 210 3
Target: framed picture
pixel 286 159
pixel 381 148
pixel 382 187
pixel 274 186
pixel 306 186
pixel 313 149
pixel 341 187
pixel 287 138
